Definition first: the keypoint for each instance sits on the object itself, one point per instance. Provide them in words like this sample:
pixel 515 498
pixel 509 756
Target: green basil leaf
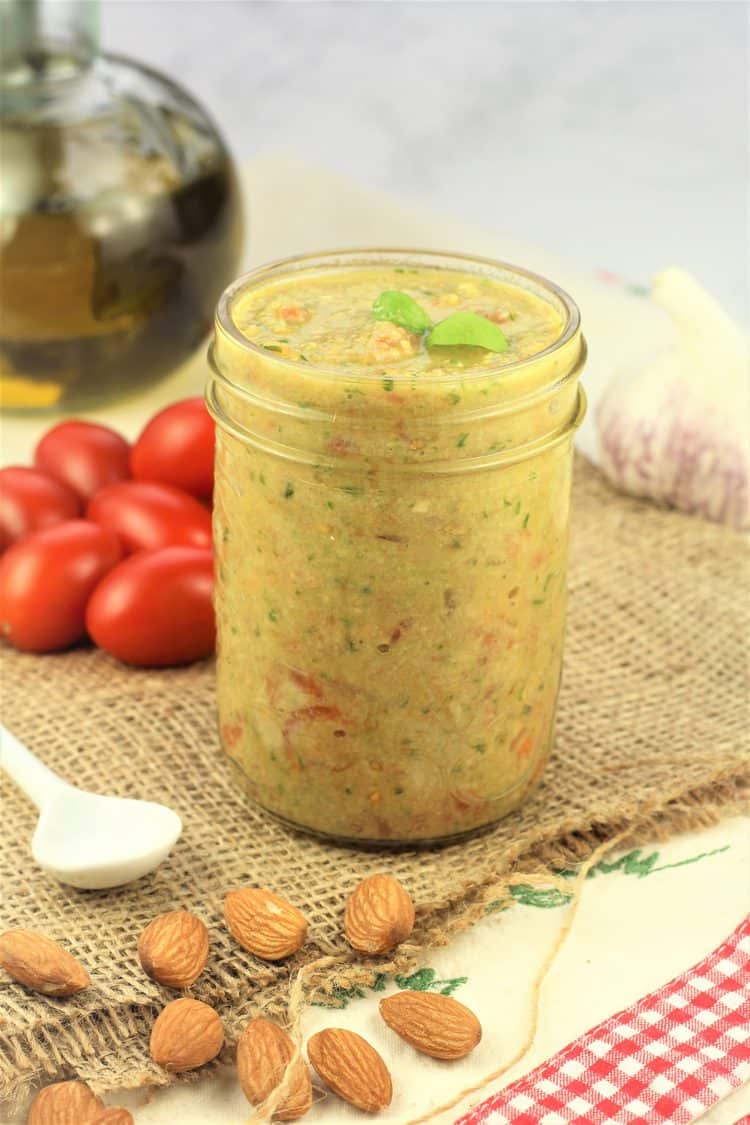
pixel 469 329
pixel 401 309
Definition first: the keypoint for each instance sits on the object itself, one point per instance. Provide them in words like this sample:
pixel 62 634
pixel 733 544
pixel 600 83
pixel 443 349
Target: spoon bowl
pixel 85 839
pixel 92 842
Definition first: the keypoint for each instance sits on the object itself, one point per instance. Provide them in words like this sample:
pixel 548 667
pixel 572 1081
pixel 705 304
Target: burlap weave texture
pixel 652 733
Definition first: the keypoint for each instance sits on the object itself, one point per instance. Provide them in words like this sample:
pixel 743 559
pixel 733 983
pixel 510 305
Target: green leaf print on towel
pixel 423 980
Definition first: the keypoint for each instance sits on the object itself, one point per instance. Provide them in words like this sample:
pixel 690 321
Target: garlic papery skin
pixel 678 432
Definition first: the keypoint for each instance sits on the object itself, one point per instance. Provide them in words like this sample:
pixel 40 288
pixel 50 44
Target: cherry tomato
pixel 29 501
pixel 147 516
pixel 83 456
pixel 46 580
pixel 155 609
pixel 177 447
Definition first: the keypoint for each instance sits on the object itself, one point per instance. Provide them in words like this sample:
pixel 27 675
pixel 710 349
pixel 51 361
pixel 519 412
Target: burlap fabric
pixel 653 736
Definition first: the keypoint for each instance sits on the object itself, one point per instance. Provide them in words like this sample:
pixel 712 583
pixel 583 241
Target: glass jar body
pixel 391 594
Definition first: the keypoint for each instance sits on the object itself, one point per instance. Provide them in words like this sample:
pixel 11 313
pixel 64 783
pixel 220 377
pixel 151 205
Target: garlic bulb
pixel 678 431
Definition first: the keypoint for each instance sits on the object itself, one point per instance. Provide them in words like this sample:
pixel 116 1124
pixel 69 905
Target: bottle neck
pixel 46 40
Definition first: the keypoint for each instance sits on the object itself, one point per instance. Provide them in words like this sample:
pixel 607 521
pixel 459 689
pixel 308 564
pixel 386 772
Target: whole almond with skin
pixel 114 1115
pixel 436 1025
pixel 263 1054
pixel 187 1034
pixel 351 1067
pixel 64 1103
pixel 265 923
pixel 379 914
pixel 173 949
pixel 40 963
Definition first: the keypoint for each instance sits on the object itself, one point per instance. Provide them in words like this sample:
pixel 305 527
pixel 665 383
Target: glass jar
pixel 391 559
pixel 120 220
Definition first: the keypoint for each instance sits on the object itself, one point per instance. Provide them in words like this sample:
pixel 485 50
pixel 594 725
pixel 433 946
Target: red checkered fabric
pixel 668 1058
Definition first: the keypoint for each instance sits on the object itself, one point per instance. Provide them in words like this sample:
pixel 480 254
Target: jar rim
pixel 436 259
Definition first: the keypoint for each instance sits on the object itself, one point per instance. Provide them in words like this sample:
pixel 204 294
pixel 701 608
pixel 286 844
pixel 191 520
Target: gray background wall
pixel 612 133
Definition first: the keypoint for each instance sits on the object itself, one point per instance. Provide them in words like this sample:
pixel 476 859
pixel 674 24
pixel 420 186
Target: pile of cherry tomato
pixel 112 541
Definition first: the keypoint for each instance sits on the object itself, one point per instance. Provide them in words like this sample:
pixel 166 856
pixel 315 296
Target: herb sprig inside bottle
pixel 462 329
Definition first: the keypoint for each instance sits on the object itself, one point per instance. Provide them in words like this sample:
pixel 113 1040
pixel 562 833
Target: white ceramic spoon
pixel 82 838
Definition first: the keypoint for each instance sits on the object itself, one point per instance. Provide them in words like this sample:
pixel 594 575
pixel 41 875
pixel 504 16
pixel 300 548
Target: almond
pixel 187 1034
pixel 263 1053
pixel 351 1067
pixel 173 949
pixel 264 923
pixel 64 1103
pixel 114 1115
pixel 436 1025
pixel 40 963
pixel 379 914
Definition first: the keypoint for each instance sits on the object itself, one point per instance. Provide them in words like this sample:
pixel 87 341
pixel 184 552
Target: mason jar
pixel 391 553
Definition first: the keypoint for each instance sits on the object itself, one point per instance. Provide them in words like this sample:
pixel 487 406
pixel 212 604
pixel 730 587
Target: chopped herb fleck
pixel 272 347
pixel 526 520
pixel 388 384
pixel 273 615
pixel 289 490
pixel 454 397
pixel 462 439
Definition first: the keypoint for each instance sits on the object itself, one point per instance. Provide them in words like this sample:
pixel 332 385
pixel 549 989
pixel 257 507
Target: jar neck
pixel 44 41
pixel 454 421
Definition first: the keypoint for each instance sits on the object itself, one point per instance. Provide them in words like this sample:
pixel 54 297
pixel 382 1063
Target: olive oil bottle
pixel 120 217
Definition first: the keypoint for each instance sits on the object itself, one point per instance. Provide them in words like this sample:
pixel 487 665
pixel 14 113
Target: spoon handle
pixel 38 782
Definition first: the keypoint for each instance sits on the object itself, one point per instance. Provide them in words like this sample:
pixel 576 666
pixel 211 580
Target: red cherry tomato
pixel 155 609
pixel 83 456
pixel 148 516
pixel 46 580
pixel 29 501
pixel 177 447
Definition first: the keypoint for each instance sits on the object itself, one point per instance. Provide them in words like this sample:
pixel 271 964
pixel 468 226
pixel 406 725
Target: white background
pixel 613 134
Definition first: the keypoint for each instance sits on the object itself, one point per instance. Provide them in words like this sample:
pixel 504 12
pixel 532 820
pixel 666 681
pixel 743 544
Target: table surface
pixel 634 932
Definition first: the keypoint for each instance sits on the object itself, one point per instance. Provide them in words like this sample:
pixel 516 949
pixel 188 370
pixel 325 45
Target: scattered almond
pixel 263 1052
pixel 64 1103
pixel 436 1025
pixel 379 914
pixel 187 1034
pixel 265 923
pixel 40 963
pixel 114 1115
pixel 173 949
pixel 351 1067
